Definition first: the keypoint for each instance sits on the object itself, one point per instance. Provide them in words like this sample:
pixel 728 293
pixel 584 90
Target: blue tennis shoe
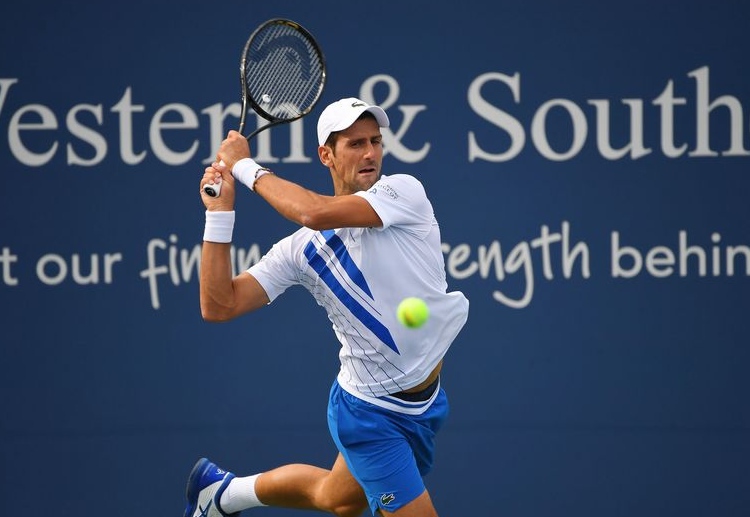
pixel 205 485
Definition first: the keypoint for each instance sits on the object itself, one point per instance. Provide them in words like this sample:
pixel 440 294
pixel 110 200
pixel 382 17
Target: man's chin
pixel 367 185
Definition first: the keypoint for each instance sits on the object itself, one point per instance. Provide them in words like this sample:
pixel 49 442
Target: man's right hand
pixel 233 148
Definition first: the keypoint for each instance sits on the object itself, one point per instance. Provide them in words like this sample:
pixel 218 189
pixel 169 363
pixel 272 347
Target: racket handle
pixel 213 189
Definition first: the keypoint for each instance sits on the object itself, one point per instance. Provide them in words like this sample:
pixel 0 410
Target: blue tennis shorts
pixel 386 451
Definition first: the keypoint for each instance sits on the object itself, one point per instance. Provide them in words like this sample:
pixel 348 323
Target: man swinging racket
pixel 359 253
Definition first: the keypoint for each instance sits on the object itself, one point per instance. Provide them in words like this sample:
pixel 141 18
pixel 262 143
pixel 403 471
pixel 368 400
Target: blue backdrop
pixel 589 163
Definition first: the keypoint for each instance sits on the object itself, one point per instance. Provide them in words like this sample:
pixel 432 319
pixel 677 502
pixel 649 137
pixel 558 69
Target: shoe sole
pixel 192 489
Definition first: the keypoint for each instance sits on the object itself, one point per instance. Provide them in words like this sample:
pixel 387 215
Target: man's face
pixel 358 157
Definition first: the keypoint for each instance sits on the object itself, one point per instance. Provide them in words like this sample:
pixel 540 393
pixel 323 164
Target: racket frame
pixel 249 102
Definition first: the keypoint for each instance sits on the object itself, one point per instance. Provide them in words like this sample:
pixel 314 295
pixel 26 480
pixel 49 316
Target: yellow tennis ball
pixel 412 312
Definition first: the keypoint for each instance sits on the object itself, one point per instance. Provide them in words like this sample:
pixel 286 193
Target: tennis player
pixel 359 253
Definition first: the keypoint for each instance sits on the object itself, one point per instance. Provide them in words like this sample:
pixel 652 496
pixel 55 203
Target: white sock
pixel 240 495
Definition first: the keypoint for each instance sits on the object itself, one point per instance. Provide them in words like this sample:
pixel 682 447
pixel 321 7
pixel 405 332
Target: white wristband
pixel 247 171
pixel 219 226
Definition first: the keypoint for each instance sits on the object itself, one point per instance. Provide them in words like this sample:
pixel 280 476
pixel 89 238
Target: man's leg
pixel 314 488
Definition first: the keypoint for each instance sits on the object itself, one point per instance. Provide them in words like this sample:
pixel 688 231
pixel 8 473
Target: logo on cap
pixel 357 104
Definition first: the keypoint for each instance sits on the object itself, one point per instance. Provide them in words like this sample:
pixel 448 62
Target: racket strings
pixel 285 80
pixel 284 72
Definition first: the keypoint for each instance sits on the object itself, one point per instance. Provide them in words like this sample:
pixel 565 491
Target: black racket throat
pixel 262 128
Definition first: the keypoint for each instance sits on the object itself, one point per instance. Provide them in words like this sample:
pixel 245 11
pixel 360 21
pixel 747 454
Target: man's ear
pixel 325 154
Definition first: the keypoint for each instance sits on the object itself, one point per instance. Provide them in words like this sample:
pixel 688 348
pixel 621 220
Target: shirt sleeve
pixel 400 201
pixel 276 271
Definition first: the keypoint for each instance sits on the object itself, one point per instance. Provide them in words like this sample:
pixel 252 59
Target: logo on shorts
pixel 387 499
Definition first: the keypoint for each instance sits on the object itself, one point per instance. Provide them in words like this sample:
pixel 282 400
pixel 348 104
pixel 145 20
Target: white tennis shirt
pixel 359 275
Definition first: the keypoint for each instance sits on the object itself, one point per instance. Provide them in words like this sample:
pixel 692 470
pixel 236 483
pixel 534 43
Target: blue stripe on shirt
pixel 362 314
pixel 339 249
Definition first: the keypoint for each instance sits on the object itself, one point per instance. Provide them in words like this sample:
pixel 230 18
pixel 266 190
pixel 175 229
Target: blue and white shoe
pixel 205 485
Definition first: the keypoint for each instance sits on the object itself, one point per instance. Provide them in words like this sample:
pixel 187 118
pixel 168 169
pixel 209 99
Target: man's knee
pixel 340 504
pixel 346 509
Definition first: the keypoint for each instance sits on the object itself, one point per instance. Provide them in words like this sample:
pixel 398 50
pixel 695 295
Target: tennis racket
pixel 282 74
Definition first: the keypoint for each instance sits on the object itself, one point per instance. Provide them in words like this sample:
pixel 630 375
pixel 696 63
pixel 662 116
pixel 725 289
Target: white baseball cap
pixel 341 114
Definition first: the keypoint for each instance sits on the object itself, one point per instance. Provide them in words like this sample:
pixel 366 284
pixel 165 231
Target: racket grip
pixel 213 189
